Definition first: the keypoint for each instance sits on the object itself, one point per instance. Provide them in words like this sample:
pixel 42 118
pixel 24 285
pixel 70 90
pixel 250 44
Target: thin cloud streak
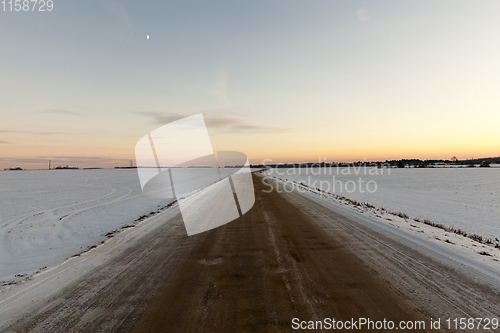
pixel 64 159
pixel 45 133
pixel 63 112
pixel 226 120
pixel 33 132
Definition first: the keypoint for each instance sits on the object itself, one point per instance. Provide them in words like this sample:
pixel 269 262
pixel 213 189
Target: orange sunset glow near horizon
pixel 286 147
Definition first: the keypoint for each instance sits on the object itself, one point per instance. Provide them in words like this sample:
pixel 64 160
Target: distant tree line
pixel 415 163
pixel 14 169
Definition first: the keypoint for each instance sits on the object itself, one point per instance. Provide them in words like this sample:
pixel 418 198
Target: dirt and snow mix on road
pixel 456 211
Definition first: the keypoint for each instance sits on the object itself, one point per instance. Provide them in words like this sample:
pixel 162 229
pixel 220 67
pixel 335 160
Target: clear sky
pixel 284 80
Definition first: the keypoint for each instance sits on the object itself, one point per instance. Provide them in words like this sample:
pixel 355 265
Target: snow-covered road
pixel 303 252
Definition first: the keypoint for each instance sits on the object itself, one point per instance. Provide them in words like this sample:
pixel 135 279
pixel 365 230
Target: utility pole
pixel 49 164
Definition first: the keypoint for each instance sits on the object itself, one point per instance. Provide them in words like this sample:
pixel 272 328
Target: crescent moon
pixel 147 36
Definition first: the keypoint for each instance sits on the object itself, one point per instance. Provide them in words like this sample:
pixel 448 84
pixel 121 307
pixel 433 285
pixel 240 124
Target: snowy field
pixel 464 198
pixel 49 216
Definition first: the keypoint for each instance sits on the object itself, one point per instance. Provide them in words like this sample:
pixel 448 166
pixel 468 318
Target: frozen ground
pixel 111 272
pixel 49 216
pixel 464 198
pixel 148 268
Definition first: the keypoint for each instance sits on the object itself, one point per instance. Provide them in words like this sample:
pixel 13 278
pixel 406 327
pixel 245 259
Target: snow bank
pixel 463 198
